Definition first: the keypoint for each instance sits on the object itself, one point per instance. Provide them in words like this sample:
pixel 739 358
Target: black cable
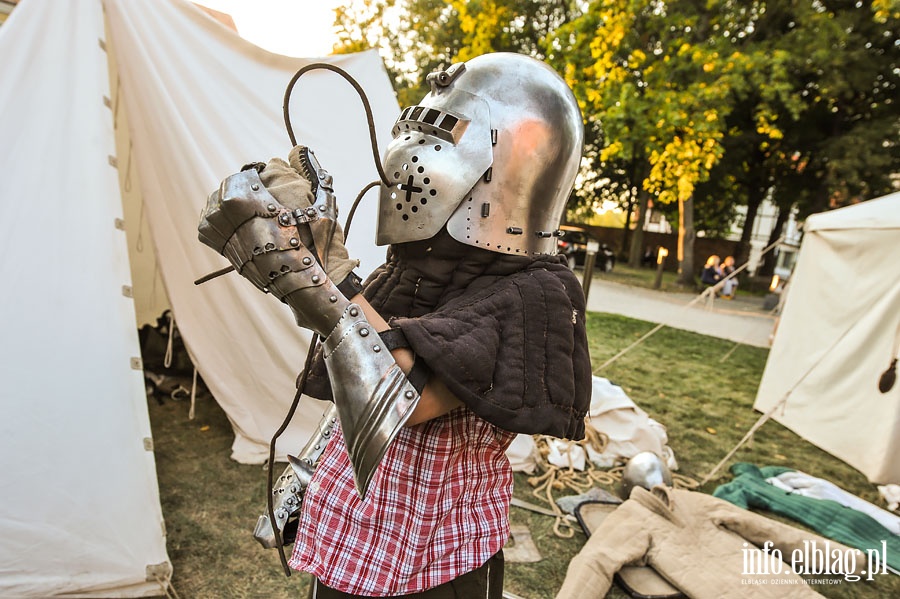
pixel 362 96
pixel 301 383
pixel 270 502
pixel 354 206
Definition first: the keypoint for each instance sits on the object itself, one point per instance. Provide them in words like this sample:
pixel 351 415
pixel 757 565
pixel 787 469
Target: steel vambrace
pixel 373 395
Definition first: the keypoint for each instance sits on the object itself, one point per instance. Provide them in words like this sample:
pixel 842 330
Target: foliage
pixel 723 101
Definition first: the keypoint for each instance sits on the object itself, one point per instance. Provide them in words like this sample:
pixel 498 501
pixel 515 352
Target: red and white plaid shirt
pixel 437 508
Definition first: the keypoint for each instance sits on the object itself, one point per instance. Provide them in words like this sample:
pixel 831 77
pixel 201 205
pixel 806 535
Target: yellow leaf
pixel 710 430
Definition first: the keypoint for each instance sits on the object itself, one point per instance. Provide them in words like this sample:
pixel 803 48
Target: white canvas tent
pixel 839 330
pixel 88 151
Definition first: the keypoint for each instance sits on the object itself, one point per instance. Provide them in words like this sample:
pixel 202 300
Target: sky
pixel 291 27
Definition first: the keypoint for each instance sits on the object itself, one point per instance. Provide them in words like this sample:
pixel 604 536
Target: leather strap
pixel 351 285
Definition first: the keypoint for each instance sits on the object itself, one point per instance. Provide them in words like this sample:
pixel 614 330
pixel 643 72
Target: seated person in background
pixel 712 272
pixel 730 285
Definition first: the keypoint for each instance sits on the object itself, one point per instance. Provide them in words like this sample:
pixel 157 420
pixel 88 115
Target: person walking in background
pixel 729 287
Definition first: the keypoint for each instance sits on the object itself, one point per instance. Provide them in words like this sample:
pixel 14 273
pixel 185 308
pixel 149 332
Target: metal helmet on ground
pixel 491 152
pixel 645 469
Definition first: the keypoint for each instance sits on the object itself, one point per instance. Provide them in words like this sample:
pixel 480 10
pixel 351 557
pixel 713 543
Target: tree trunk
pixel 686 236
pixel 637 239
pixel 626 229
pixel 754 199
pixel 767 268
pixel 634 185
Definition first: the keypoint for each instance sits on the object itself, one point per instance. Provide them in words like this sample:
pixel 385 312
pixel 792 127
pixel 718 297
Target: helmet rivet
pixel 315 278
pixel 254 187
pixel 364 332
pixel 409 394
pixel 376 348
pixel 294 242
pixel 271 208
pixel 354 312
pixel 332 299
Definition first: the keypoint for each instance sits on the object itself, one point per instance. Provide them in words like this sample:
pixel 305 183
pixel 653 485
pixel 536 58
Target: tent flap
pixel 210 102
pixel 80 514
pixel 837 334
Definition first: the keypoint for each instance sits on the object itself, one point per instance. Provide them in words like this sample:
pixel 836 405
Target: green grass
pixel 646 278
pixel 211 503
pixel 638 277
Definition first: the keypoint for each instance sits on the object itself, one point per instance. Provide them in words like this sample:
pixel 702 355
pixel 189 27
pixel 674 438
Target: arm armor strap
pixel 372 394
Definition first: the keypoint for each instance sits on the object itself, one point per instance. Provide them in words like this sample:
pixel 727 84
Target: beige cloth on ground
pixel 292 190
pixel 695 541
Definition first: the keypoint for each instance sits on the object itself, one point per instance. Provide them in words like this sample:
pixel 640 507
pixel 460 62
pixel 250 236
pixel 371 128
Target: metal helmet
pixel 645 469
pixel 491 152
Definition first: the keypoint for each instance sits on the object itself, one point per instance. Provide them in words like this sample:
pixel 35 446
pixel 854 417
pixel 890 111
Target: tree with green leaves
pixel 828 136
pixel 661 78
pixel 703 104
pixel 417 37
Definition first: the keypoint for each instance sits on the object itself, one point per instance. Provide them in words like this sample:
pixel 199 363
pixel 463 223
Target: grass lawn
pixel 211 502
pixel 646 277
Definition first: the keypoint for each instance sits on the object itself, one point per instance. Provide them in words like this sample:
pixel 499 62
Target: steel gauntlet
pixel 273 246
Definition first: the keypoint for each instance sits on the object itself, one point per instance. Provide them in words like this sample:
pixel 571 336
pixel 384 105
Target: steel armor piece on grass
pixel 644 469
pixel 491 152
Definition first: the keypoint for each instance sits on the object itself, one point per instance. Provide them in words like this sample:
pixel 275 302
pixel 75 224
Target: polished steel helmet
pixel 491 152
pixel 644 469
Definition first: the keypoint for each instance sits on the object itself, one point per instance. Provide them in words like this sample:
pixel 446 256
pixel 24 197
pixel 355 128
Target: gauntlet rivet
pixel 307 261
pixel 354 312
pixel 294 242
pixel 315 278
pixel 409 394
pixel 254 187
pixel 364 332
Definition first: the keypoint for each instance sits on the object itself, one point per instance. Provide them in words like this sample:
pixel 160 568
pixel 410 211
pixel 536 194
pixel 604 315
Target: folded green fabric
pixel 853 528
